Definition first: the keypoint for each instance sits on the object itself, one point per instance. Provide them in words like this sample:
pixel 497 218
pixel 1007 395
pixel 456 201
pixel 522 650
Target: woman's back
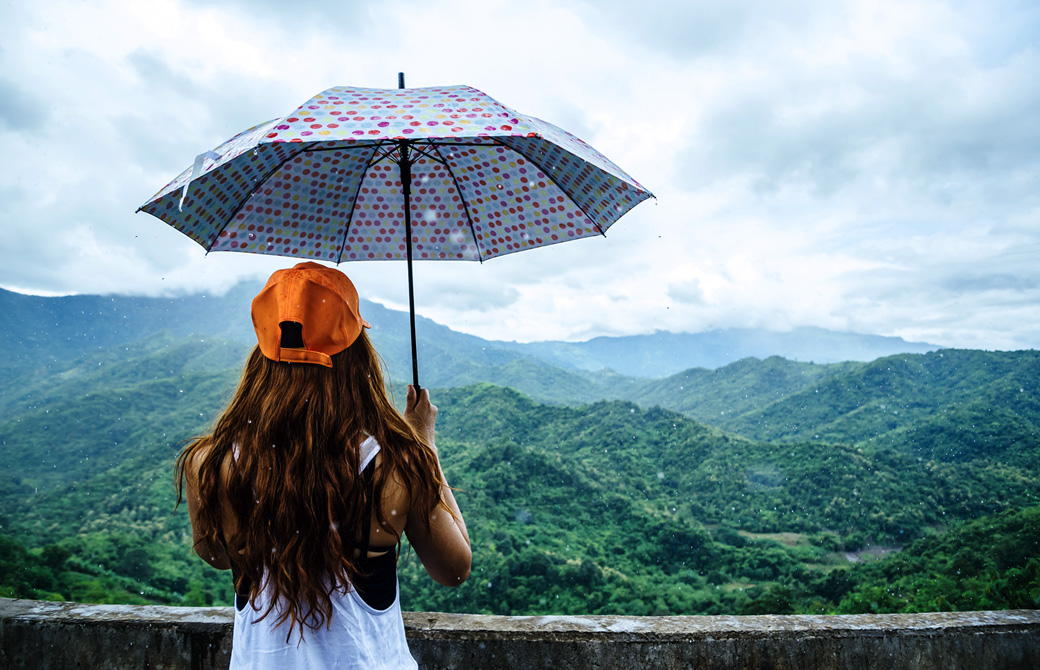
pixel 365 629
pixel 310 479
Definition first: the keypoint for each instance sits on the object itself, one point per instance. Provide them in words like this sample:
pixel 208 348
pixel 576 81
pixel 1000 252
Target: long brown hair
pixel 293 485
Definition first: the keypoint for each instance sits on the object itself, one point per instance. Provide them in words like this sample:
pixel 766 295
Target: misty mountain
pixel 661 354
pixel 41 330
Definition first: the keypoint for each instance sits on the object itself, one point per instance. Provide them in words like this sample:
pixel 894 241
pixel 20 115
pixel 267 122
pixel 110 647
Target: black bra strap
pixel 367 477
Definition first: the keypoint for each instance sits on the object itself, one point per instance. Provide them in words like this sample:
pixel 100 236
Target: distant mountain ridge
pixel 662 353
pixel 41 329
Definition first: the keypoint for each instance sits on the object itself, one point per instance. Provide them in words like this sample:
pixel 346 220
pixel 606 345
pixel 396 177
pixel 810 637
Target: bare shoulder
pixel 196 456
pixel 395 493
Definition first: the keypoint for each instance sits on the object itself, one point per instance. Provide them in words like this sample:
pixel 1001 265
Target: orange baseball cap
pixel 323 304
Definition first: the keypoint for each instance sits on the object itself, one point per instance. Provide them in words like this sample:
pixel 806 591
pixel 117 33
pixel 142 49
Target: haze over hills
pixel 43 329
pixel 661 354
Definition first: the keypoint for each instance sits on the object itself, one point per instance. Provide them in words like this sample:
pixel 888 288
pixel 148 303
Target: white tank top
pixel 359 638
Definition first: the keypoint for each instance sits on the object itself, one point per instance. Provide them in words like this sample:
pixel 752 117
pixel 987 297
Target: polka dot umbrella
pixel 440 173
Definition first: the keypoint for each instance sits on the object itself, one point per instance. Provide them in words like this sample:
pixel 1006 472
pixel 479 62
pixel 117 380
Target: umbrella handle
pixel 411 309
pixel 415 358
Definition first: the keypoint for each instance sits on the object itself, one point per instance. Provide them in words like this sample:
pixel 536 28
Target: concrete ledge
pixel 45 635
pixel 68 635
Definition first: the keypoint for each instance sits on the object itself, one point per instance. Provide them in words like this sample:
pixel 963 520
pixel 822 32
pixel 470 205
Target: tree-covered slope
pixel 602 507
pixel 913 400
pixel 673 463
pixel 124 403
pixel 989 563
pixel 746 386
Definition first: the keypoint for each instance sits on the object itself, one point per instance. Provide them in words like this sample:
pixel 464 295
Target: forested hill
pixel 950 405
pixel 607 506
pixel 946 404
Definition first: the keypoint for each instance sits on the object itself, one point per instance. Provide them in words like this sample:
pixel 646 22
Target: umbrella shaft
pixel 405 164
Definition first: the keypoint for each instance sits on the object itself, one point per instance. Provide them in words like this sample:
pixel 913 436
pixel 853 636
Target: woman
pixel 308 482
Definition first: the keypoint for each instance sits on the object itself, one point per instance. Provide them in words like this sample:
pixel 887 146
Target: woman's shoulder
pixel 198 456
pixel 195 454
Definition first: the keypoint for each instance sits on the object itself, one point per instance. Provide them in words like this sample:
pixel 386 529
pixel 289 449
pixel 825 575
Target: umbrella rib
pixel 377 156
pixel 549 176
pixel 353 206
pixel 425 153
pixel 455 143
pixel 259 183
pixel 465 205
pixel 379 153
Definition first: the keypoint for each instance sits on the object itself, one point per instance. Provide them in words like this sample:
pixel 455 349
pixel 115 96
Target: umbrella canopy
pixel 441 173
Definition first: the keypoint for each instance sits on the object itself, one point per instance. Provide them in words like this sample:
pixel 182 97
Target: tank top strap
pixel 369 448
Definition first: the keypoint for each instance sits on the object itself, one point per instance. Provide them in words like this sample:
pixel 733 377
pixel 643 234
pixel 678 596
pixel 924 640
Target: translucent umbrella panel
pixel 470 200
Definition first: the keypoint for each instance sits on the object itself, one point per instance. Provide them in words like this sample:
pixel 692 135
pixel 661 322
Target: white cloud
pixel 861 165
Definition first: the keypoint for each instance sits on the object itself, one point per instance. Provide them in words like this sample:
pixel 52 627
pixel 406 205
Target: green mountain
pixel 947 405
pixel 762 485
pixel 719 396
pixel 606 507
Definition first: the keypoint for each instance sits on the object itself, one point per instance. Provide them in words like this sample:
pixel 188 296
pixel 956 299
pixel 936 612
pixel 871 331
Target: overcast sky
pixel 861 166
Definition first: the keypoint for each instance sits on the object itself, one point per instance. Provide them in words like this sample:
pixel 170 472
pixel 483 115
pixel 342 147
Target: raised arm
pixel 444 547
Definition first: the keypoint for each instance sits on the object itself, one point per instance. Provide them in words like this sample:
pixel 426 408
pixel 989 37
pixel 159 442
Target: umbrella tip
pixel 400 80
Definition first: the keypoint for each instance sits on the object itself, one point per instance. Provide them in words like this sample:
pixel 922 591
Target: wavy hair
pixel 293 485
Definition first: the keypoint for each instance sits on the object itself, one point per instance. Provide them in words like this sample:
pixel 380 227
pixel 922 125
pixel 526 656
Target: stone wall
pixel 68 635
